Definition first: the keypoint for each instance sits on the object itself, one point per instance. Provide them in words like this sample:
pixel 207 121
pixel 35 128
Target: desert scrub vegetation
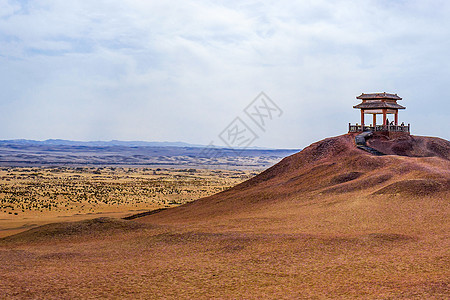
pixel 88 189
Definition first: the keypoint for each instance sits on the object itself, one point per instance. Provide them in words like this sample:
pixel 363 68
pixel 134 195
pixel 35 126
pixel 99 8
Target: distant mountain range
pixel 61 142
pixel 65 152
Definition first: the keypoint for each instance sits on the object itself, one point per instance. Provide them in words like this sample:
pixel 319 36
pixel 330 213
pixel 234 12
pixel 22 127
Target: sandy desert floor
pixel 35 196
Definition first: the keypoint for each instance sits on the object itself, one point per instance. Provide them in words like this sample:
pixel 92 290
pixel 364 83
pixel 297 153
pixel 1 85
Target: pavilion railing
pixel 388 128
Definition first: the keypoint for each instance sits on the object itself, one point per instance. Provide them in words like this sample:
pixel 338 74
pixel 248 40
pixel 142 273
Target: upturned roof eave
pixel 363 106
pixel 375 96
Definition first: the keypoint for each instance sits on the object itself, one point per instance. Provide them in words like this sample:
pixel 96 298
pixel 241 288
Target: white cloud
pixel 181 70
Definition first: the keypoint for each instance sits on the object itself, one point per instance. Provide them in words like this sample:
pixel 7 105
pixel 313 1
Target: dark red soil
pixel 413 146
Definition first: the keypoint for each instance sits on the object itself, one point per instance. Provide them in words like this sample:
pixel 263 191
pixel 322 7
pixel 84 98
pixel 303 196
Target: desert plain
pixel 33 196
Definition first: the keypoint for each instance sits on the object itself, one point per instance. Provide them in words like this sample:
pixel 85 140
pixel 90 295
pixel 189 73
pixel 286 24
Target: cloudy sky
pixel 184 70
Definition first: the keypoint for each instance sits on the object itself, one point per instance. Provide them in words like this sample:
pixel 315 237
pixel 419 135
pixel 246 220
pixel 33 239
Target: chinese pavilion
pixel 380 104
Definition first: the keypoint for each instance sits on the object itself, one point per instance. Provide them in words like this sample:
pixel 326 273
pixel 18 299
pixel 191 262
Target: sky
pixel 192 71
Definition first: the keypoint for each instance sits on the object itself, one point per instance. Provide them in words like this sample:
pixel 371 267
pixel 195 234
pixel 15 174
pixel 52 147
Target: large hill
pixel 347 187
pixel 331 221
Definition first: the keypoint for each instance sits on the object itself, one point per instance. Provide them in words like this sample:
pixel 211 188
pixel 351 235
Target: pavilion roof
pixel 377 105
pixel 378 96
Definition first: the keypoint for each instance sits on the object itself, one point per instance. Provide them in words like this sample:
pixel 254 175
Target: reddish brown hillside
pixel 329 172
pixel 413 146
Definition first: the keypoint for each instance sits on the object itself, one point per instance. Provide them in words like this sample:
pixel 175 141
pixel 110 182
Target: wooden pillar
pixel 396 118
pixel 384 116
pixel 374 121
pixel 362 119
